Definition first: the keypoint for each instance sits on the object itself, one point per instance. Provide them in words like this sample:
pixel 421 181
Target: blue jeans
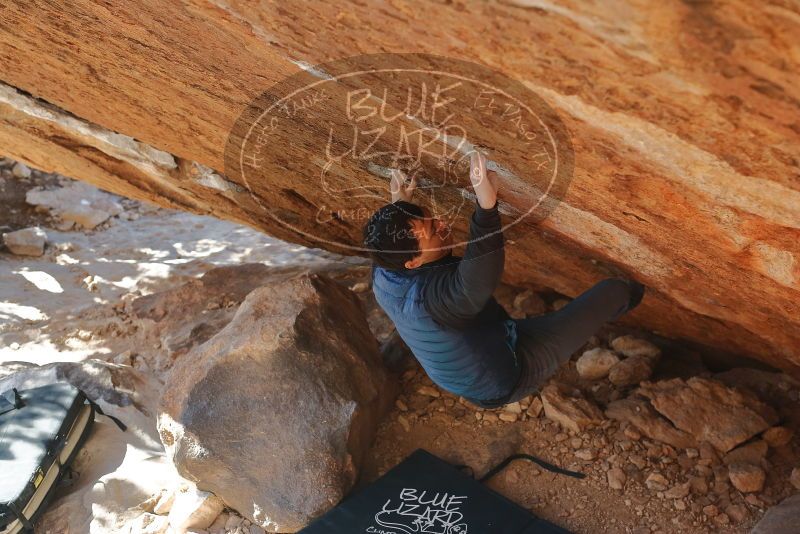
pixel 545 342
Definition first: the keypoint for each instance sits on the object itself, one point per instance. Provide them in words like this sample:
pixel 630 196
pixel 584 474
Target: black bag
pixel 41 432
pixel 426 495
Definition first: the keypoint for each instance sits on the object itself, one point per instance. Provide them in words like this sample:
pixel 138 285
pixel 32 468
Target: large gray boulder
pixel 274 414
pixel 781 519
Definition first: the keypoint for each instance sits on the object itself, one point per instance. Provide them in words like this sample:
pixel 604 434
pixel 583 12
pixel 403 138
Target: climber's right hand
pixel 484 182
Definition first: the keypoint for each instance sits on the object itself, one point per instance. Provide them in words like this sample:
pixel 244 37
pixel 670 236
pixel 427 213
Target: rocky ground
pixel 117 281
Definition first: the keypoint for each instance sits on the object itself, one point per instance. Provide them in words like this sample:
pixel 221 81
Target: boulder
pixel 656 482
pixel 747 478
pixel 631 371
pixel 26 242
pixel 300 356
pixel 595 363
pixel 671 201
pixel 710 411
pixel 780 519
pixel 20 170
pixel 569 408
pixel 616 478
pixel 641 414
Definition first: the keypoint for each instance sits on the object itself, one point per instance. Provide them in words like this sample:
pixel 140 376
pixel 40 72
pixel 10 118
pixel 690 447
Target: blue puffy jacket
pixel 445 313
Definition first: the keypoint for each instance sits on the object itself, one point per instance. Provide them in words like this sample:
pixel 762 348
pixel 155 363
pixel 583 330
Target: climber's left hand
pixel 401 187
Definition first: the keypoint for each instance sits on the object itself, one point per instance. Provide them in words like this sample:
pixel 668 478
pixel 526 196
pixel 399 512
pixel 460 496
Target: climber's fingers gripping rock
pixel 401 187
pixel 484 182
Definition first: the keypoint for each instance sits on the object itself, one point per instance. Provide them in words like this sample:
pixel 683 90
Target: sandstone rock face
pixel 275 412
pixel 569 408
pixel 683 124
pixel 710 411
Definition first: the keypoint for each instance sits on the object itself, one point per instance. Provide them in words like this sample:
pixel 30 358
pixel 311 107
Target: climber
pixel 442 305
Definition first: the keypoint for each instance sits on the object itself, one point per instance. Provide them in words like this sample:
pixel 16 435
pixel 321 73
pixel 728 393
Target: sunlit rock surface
pixel 683 118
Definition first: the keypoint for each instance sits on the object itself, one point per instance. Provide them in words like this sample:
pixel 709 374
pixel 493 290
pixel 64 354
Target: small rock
pixel 20 170
pixel 233 522
pixel 794 478
pixel 527 304
pixel 164 504
pixel 631 371
pixel 569 408
pixel 576 443
pixel 778 436
pixel 692 453
pixel 616 478
pixel 85 216
pixel 736 512
pixel 722 519
pixel 26 242
pixel 360 287
pixel 753 500
pixel 751 453
pixel 596 363
pixel 656 482
pixel 513 407
pixel 490 417
pixel 708 452
pixel 699 485
pixel 711 510
pixel 508 417
pixel 747 478
pixel 401 405
pixel 559 303
pixel 404 423
pixel 680 504
pixel 148 524
pixel 678 491
pixel 631 433
pixel 586 454
pixel 194 508
pixel 630 346
pixel 429 391
pixel 536 407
